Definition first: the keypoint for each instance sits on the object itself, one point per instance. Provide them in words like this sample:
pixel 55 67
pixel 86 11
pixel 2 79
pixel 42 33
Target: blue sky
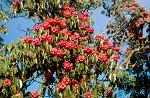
pixel 15 27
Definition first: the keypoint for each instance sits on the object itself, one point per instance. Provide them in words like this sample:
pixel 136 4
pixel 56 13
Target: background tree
pixel 129 21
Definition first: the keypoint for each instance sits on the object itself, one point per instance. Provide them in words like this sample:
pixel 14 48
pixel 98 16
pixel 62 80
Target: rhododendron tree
pixel 64 53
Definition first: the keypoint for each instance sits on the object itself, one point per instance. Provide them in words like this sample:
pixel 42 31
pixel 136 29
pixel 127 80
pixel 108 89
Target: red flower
pixel 109 93
pixel 34 94
pixel 83 18
pixel 57 52
pixel 69 45
pixel 36 42
pixel 62 24
pixel 116 57
pixel 99 37
pixel 6 82
pixel 49 39
pixel 36 28
pixel 88 95
pixel 117 49
pixel 68 65
pixel 84 38
pixel 43 37
pixel 81 59
pixel 71 9
pixel 61 43
pixel 54 51
pixel 105 47
pixel 91 30
pixel 103 58
pixel 55 30
pixel 66 7
pixel 84 26
pixel 110 46
pixel 27 39
pixel 105 41
pixel 66 80
pixel 83 80
pixel 65 32
pixel 75 85
pixel 72 37
pixel 41 50
pixel 51 21
pixel 85 14
pixel 77 35
pixel 16 4
pixel 74 82
pixel 48 75
pixel 45 25
pixel 75 14
pixel 67 14
pixel 74 46
pixel 57 21
pixel 61 86
pixel 88 50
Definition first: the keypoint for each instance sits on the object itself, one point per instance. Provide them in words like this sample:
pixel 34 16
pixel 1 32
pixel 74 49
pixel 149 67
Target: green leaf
pixel 1 83
pixel 1 68
pixel 13 89
pixel 10 47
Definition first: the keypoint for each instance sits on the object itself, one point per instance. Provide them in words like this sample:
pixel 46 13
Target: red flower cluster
pixel 116 48
pixel 63 84
pixel 74 82
pixel 75 85
pixel 88 95
pixel 68 11
pixel 81 59
pixel 65 32
pixel 55 30
pixel 48 38
pixel 67 44
pixel 106 47
pixel 103 58
pixel 109 93
pixel 34 94
pixel 6 82
pixel 47 75
pixel 54 25
pixel 66 80
pixel 61 87
pixel 68 66
pixel 91 30
pixel 74 37
pixel 36 42
pixel 27 39
pixel 99 37
pixel 86 27
pixel 116 57
pixel 84 16
pixel 88 50
pixel 16 4
pixel 85 38
pixel 58 52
